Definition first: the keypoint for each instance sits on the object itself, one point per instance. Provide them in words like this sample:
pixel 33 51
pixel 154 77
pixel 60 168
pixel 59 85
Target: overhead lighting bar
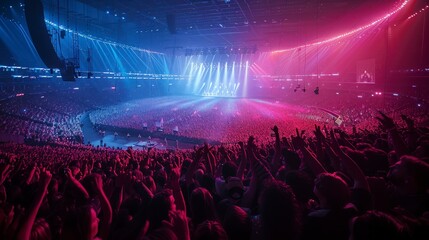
pixel 115 44
pixel 417 13
pixel 400 7
pixel 221 50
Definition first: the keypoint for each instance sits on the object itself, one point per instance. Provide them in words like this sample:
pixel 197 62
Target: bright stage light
pixel 224 79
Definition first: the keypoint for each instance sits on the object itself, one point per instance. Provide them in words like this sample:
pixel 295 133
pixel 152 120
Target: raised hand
pixel 222 150
pixel 45 178
pixel 90 165
pixel 206 147
pixel 250 141
pixel 408 121
pixel 178 161
pixel 117 158
pixel 286 143
pixel 97 182
pixel 343 134
pixel 319 134
pixel 174 175
pixel 297 132
pixel 4 173
pixel 275 129
pixel 24 230
pixel 174 183
pixel 198 153
pixel 334 143
pixel 386 121
pixel 68 173
pixel 298 141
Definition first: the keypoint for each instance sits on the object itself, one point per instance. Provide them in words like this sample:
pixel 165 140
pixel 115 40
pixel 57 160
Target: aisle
pixel 93 137
pixel 89 133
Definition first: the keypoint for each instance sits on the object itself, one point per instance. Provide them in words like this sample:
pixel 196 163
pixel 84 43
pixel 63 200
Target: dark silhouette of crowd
pixel 324 184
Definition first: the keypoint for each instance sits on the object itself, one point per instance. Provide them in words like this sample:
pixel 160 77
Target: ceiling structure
pixel 171 24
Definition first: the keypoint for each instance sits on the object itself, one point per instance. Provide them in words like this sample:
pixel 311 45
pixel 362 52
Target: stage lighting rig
pixel 225 50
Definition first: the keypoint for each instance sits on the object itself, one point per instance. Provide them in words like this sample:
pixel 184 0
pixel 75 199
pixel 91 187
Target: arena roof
pixel 270 24
pixel 169 24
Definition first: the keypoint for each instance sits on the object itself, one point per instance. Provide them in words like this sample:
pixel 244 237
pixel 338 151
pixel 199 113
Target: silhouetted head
pixel 237 223
pixel 162 203
pixel 210 230
pixel 280 211
pixel 331 190
pixel 202 206
pixel 374 225
pixel 409 175
pixel 81 223
pixel 40 230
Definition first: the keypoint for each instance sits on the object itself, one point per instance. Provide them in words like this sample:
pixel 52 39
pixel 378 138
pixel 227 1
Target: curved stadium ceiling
pixel 267 24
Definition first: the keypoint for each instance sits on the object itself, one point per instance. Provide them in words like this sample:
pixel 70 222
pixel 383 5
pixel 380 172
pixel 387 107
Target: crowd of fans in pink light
pixel 276 176
pixel 214 119
pixel 45 118
pixel 321 184
pixel 233 120
pixel 56 117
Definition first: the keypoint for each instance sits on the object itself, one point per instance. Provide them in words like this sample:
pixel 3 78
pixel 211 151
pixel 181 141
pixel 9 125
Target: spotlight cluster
pixel 220 51
pixel 417 13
